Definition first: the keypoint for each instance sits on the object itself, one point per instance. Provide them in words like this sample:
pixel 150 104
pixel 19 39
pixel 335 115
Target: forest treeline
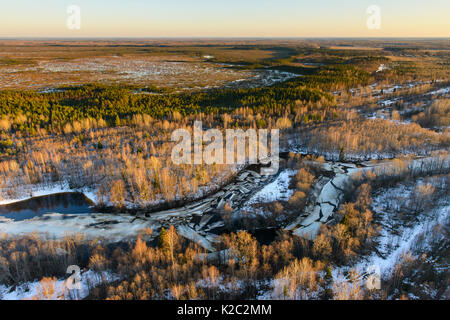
pixel 28 111
pixel 371 139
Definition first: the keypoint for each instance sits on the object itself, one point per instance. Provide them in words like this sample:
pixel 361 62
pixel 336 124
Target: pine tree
pixel 117 121
pixel 329 274
pixel 341 154
pixel 162 240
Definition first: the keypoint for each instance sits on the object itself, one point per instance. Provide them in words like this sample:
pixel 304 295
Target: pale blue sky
pixel 231 18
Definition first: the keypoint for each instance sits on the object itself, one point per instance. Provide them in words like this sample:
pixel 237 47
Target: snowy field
pixel 399 235
pixel 62 290
pixel 276 190
pixel 44 190
pixel 186 75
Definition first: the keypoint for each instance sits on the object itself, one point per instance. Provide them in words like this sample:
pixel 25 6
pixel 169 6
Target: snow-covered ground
pixel 387 105
pixel 398 236
pixel 442 91
pixel 62 291
pixel 45 190
pixel 381 67
pixel 385 89
pixel 393 243
pixel 180 74
pixel 276 190
pixel 262 78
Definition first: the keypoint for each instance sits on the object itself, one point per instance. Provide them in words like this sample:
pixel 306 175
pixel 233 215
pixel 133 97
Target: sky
pixel 226 18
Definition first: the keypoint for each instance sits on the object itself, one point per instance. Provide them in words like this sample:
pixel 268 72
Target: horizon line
pixel 220 37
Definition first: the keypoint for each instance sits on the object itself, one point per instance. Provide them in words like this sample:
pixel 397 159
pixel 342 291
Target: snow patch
pixel 276 190
pixel 30 290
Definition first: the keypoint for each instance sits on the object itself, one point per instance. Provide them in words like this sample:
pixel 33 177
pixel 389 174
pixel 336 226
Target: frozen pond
pixel 64 203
